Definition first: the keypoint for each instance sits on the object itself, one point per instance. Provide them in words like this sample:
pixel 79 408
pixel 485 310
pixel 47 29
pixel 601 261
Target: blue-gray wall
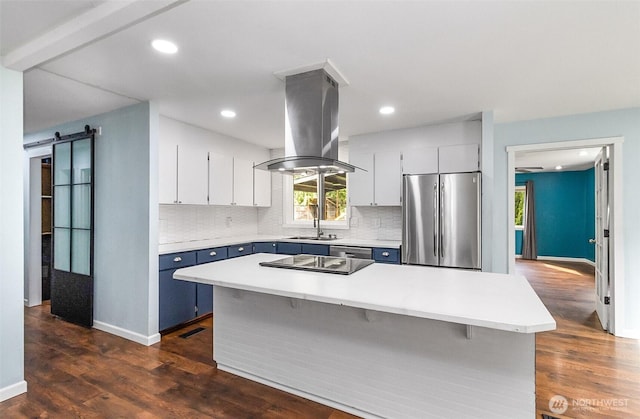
pixel 126 217
pixel 619 123
pixel 11 236
pixel 564 213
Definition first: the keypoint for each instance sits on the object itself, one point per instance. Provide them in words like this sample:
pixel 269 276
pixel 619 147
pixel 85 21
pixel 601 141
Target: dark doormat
pixel 192 332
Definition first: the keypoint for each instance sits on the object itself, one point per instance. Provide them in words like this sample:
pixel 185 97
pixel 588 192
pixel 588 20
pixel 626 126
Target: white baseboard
pixel 127 334
pixel 629 333
pixel 13 390
pixel 563 259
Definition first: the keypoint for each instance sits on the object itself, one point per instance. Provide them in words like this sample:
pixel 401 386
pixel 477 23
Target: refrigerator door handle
pixel 442 220
pixel 435 219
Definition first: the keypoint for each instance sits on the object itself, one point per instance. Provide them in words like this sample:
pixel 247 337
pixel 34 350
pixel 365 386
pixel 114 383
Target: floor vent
pixel 191 332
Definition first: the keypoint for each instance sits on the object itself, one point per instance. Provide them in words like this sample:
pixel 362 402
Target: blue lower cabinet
pixel 289 248
pixel 315 249
pixel 211 255
pixel 204 299
pixel 177 300
pixel 240 250
pixel 264 247
pixel 385 255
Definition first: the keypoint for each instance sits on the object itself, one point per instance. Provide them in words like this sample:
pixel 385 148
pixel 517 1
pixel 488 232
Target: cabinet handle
pixel 385 254
pixel 212 253
pixel 240 249
pixel 177 259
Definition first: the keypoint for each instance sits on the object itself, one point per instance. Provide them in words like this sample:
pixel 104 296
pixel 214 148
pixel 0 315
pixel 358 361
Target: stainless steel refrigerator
pixel 441 223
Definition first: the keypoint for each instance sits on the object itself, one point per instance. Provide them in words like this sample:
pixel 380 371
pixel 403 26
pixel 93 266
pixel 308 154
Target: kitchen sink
pixel 322 238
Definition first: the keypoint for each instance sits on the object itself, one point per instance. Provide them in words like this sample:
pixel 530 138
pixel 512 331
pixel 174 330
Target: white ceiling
pixel 570 159
pixel 433 61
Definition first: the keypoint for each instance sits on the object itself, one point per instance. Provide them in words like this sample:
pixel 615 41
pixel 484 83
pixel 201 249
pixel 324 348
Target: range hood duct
pixel 311 126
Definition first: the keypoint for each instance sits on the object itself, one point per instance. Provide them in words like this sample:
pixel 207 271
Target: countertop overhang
pixel 491 300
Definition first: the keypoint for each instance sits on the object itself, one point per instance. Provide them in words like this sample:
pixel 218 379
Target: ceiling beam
pixel 95 24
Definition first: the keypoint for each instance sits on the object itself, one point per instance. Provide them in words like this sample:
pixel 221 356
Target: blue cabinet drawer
pixel 211 255
pixel 240 250
pixel 386 255
pixel 264 247
pixel 177 260
pixel 315 249
pixel 289 248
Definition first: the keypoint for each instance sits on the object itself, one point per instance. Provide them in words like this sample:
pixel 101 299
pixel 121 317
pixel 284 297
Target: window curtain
pixel 529 242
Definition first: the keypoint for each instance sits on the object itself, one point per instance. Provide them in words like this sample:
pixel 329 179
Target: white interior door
pixel 602 239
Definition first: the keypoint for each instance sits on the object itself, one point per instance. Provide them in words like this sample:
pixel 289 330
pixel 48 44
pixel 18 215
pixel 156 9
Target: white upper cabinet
pixel 420 161
pixel 242 182
pixel 381 184
pixel 459 158
pixel 360 181
pixel 387 179
pixel 193 178
pixel 168 173
pixel 220 179
pixel 182 174
pixel 261 188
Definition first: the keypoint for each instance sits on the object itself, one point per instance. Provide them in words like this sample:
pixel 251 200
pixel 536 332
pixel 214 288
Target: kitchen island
pixel 386 341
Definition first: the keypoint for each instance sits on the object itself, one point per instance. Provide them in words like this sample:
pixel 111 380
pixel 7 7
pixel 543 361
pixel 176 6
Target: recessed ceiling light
pixel 228 113
pixel 281 169
pixel 583 153
pixel 387 110
pixel 558 167
pixel 164 46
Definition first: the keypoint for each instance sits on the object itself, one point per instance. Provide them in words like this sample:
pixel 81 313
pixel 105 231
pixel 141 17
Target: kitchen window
pixel 521 199
pixel 301 200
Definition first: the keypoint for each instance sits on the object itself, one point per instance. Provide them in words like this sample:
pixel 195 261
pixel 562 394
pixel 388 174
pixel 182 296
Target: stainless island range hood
pixel 311 126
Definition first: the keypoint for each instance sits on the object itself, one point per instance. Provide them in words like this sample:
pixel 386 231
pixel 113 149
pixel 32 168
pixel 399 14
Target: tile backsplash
pixel 180 223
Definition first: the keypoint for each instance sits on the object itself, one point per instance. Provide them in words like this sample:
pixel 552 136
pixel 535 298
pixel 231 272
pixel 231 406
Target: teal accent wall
pixel 564 204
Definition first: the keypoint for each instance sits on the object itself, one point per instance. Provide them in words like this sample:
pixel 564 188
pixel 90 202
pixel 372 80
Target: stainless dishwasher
pixel 351 252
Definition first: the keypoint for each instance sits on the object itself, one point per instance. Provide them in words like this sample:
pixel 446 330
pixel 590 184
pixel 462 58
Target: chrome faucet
pixel 316 223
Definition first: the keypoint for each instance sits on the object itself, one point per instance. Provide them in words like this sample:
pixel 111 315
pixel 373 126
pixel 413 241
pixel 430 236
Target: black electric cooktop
pixel 326 264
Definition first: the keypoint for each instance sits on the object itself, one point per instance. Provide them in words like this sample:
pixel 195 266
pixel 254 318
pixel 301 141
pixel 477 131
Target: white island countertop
pixel 491 300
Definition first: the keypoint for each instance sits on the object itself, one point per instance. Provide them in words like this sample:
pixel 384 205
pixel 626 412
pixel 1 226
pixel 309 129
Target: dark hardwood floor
pixel 74 372
pixel 578 360
pixel 77 372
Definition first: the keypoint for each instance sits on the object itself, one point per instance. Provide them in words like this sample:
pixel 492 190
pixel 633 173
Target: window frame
pixel 288 212
pixel 523 189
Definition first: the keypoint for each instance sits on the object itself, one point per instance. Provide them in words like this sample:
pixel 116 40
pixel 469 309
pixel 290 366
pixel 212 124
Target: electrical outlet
pixel 376 222
pixel 228 222
pixel 353 222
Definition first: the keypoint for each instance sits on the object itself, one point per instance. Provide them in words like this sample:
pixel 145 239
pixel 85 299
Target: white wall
pixel 619 123
pixel 190 222
pixel 126 214
pixel 11 237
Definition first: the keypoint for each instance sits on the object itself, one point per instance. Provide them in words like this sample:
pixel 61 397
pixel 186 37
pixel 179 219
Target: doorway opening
pixel 604 247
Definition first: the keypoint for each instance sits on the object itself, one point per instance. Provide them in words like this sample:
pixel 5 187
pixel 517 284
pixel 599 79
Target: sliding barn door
pixel 72 279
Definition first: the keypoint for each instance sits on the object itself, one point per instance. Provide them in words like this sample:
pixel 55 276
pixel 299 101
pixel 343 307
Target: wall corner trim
pixel 127 334
pixel 13 390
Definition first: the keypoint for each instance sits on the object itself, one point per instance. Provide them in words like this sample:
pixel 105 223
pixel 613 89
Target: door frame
pixel 616 239
pixel 33 224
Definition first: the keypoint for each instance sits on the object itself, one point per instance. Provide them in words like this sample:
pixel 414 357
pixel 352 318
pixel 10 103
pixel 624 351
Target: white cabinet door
pixel 361 182
pixel 242 182
pixel 220 179
pixel 387 179
pixel 459 158
pixel 168 172
pixel 193 178
pixel 261 188
pixel 420 161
